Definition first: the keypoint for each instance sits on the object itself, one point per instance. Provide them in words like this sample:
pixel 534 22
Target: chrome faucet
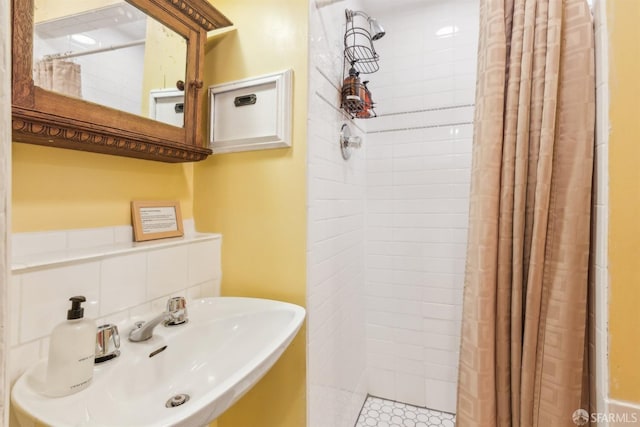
pixel 176 314
pixel 107 343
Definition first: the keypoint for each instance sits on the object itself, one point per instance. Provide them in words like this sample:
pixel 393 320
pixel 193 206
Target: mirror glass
pixel 110 53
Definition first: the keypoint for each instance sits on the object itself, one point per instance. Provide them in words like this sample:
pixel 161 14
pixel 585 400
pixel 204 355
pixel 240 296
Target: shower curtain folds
pixel 525 299
pixel 59 76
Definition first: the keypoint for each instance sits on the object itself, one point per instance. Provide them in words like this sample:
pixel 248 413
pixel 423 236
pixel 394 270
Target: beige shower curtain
pixel 522 355
pixel 59 76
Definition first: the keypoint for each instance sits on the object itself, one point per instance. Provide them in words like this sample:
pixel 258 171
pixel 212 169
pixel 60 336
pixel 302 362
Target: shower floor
pixel 379 412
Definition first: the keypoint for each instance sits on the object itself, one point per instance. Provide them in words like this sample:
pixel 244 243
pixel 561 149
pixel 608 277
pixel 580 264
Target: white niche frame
pixel 261 125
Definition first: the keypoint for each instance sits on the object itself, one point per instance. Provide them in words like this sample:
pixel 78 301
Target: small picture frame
pixel 156 220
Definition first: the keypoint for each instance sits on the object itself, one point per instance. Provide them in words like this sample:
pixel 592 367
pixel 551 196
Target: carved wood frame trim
pixel 201 12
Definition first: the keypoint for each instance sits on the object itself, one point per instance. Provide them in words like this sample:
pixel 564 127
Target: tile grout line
pixel 427 110
pixel 420 127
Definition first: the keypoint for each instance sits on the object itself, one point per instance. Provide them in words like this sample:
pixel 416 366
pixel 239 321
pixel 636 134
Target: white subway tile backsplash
pixel 140 312
pixel 15 309
pixel 45 296
pixel 22 357
pixel 118 318
pixel 123 282
pixel 203 262
pixel 124 233
pixel 167 271
pixel 90 238
pixel 159 305
pixel 114 280
pixel 24 244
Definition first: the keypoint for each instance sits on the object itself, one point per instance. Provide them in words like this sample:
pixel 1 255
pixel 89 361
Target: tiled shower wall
pixel 418 171
pixel 336 382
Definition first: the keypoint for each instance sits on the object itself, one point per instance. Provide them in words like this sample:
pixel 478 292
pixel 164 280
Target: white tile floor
pixel 379 412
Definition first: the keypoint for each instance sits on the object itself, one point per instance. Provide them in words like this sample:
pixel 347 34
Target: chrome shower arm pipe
pixel 351 13
pixel 377 32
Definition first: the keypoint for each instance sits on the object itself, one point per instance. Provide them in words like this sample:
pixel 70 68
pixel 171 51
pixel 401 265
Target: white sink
pixel 227 346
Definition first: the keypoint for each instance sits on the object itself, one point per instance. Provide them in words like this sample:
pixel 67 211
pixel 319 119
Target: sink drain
pixel 177 400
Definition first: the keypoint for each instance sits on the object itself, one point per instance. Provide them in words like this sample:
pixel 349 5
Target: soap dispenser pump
pixel 71 352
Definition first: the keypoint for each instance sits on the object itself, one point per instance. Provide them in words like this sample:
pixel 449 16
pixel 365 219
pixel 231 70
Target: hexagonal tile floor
pixel 377 412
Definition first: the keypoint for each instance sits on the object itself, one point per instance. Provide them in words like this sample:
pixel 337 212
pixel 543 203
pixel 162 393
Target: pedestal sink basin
pixel 198 369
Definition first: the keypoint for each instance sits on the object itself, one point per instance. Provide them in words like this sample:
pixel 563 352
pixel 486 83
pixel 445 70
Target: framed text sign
pixel 155 220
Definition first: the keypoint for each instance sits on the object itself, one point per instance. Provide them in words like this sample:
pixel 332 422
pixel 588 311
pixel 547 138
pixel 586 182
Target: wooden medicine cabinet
pixel 111 114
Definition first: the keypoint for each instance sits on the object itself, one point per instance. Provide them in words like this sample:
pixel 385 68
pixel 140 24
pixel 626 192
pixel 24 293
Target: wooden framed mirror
pixel 48 114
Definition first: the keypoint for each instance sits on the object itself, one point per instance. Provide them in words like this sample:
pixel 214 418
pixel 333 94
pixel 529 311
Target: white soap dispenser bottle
pixel 71 352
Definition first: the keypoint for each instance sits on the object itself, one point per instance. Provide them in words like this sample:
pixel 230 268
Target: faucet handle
pixel 107 343
pixel 176 311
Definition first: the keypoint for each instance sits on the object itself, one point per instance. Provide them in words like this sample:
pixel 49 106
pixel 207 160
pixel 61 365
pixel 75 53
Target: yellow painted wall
pixel 257 200
pixel 45 10
pixel 624 191
pixel 56 189
pixel 165 60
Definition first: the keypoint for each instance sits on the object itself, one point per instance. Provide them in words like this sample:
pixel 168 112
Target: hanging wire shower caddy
pixel 358 47
pixel 362 58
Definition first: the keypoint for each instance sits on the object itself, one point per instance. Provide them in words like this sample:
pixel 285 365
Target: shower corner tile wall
pixel 119 286
pixel 336 384
pixel 418 175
